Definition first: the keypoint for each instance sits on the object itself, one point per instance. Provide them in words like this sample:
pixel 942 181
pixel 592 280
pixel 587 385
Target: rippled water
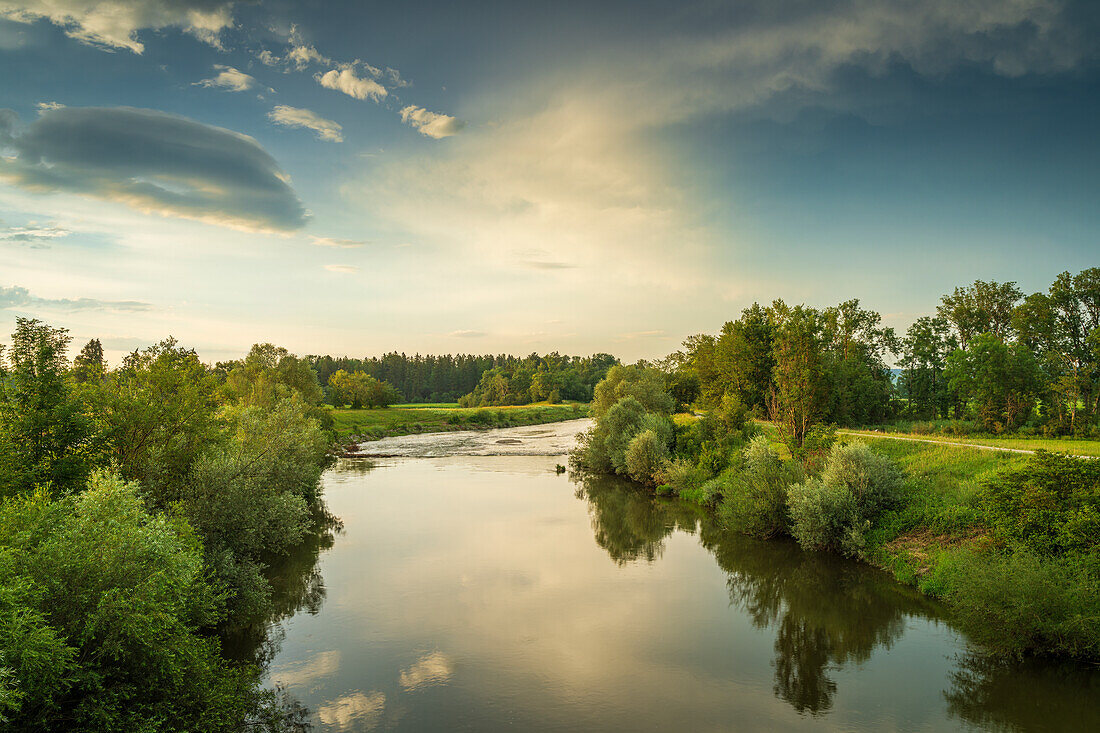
pixel 486 593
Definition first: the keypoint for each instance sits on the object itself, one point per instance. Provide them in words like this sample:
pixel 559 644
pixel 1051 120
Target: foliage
pixel 754 500
pixel 646 456
pixel 646 385
pixel 1003 380
pixel 1049 506
pixel 360 390
pixel 102 604
pixel 1020 603
pixel 833 511
pixel 44 432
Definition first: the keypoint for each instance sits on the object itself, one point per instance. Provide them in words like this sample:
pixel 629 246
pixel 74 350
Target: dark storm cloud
pixel 153 161
pixel 18 298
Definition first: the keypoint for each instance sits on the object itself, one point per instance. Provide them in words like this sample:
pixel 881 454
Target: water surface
pixel 487 593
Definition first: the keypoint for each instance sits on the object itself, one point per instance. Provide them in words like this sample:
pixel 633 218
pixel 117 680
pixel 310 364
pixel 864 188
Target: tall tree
pixel 980 308
pixel 44 434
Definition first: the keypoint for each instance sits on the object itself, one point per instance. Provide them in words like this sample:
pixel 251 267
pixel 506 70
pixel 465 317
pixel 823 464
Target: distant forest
pixel 449 378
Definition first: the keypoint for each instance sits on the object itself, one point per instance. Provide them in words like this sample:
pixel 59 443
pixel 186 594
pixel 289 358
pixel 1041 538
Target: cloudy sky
pixel 489 177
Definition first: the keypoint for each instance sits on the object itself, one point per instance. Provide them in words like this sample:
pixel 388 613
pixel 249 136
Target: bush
pixel 833 512
pixel 1050 505
pixel 1023 603
pixel 100 607
pixel 681 475
pixel 646 456
pixel 755 499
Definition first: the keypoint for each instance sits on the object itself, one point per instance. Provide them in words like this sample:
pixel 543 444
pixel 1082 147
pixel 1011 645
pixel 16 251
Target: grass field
pixel 437 418
pixel 1073 447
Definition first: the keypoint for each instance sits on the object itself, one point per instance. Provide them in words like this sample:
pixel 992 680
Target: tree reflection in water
pixel 296 585
pixel 630 523
pixel 1023 696
pixel 826 611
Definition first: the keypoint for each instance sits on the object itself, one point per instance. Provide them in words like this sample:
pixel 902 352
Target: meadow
pixel 408 419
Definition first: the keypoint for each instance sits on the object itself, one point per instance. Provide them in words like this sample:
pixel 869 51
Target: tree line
pixel 140 506
pixel 990 355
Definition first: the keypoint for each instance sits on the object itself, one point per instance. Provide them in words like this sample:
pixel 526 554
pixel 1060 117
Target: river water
pixel 479 590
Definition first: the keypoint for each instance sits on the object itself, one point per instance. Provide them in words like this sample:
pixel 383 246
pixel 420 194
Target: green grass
pixel 409 419
pixel 1071 446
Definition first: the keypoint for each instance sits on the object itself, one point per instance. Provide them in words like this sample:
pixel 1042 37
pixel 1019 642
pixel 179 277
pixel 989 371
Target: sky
pixel 356 178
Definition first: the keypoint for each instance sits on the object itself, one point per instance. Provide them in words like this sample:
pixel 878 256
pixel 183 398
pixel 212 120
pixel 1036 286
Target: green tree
pixel 89 364
pixel 1001 381
pixel 44 433
pixel 980 308
pixel 799 396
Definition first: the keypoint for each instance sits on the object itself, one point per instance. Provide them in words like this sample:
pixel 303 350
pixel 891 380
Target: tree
pixel 1002 381
pixel 44 434
pixel 925 349
pixel 89 364
pixel 980 308
pixel 799 394
pixel 644 384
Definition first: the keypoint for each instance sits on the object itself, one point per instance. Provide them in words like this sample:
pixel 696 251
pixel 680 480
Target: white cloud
pixel 115 24
pixel 431 124
pixel 267 58
pixel 466 333
pixel 342 269
pixel 303 56
pixel 229 79
pixel 338 243
pixel 298 117
pixel 47 106
pixel 345 80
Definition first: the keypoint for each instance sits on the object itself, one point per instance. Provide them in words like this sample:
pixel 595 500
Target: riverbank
pixel 1007 539
pixel 363 425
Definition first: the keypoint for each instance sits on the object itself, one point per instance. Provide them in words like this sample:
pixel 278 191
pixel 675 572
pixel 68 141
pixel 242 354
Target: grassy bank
pixel 378 423
pixel 1008 540
pixel 1075 447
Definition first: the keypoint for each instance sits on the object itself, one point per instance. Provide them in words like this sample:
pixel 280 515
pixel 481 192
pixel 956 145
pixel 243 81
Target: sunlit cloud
pixel 297 117
pixel 115 25
pixel 338 243
pixel 33 234
pixel 229 79
pixel 466 333
pixel 156 163
pixel 431 124
pixel 302 56
pixel 344 80
pixel 342 269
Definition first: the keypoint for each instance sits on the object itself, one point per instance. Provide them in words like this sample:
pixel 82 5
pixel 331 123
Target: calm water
pixel 488 593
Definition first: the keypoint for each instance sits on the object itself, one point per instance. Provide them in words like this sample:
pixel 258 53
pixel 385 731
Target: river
pixel 471 587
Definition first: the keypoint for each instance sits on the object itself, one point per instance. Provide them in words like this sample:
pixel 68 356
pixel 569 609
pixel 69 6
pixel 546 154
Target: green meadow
pixel 407 419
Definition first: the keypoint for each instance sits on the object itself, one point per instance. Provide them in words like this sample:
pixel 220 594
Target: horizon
pixel 498 179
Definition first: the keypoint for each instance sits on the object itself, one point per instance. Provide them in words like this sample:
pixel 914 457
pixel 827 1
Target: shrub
pixel 1050 505
pixel 100 607
pixel 834 511
pixel 755 499
pixel 825 516
pixel 681 475
pixel 621 423
pixel 645 457
pixel 1023 603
